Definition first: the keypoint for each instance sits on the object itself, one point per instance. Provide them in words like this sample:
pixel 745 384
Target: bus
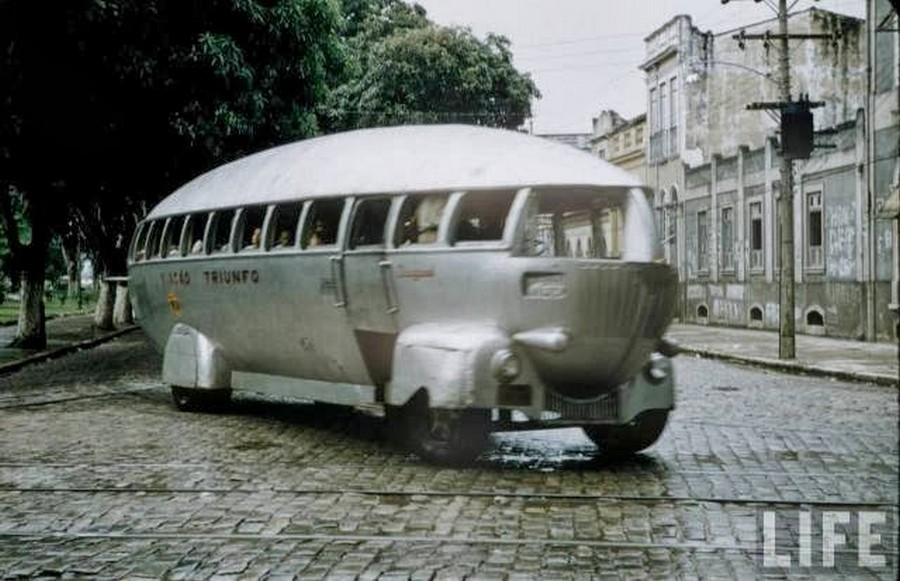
pixel 458 279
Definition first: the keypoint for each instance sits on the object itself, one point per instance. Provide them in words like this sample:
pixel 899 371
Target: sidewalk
pixel 64 335
pixel 840 358
pixel 844 359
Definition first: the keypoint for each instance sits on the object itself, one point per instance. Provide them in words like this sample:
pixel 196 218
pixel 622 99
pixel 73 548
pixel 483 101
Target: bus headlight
pixel 657 369
pixel 505 365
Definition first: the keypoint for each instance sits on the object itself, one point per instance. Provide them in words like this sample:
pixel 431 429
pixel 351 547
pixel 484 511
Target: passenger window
pixel 283 226
pixel 322 223
pixel 482 216
pixel 171 245
pixel 369 221
pixel 195 229
pixel 420 217
pixel 140 239
pixel 574 224
pixel 151 250
pixel 251 228
pixel 221 230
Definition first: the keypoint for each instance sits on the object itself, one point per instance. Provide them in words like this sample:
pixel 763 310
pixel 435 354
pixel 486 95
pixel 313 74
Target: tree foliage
pixel 107 105
pixel 406 69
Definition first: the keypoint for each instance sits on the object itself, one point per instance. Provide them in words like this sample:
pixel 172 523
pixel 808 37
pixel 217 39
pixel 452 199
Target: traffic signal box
pixel 796 130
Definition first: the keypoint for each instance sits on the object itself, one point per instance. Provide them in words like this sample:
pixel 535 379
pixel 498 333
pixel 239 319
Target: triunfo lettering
pixel 231 276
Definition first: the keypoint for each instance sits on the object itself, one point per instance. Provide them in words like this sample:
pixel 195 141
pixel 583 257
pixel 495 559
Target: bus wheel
pixel 200 400
pixel 441 436
pixel 630 438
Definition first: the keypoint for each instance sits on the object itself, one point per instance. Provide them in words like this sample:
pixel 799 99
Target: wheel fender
pixel 191 359
pixel 450 361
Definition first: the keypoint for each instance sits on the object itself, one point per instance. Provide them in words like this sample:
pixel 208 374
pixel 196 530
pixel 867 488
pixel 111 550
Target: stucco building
pixel 713 165
pixel 622 142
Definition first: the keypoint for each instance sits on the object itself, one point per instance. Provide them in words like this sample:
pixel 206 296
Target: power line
pixel 615 65
pixel 584 53
pixel 580 40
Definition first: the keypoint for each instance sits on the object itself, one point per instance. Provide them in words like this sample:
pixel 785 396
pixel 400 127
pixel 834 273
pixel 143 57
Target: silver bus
pixel 459 279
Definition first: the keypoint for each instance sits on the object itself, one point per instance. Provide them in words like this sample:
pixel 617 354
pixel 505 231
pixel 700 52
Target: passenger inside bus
pixel 284 239
pixel 283 226
pixel 420 219
pixel 319 235
pixel 322 222
pixel 254 240
pixel 483 216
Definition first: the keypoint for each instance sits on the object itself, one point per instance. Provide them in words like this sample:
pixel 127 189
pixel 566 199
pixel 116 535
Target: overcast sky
pixel 584 54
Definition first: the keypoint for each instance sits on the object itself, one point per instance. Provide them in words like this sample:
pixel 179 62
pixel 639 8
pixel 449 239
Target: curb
pixel 795 367
pixel 60 351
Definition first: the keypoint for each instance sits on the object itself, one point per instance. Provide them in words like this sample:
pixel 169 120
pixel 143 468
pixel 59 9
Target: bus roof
pixel 400 159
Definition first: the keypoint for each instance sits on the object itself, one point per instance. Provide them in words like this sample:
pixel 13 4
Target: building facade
pixel 713 165
pixel 883 143
pixel 622 142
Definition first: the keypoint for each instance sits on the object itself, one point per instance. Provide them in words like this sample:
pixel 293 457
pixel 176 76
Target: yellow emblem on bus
pixel 174 304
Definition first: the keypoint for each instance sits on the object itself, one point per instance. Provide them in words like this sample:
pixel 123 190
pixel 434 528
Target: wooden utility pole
pixel 786 331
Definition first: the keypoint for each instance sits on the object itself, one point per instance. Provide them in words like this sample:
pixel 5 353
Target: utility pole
pixel 786 336
pixel 800 136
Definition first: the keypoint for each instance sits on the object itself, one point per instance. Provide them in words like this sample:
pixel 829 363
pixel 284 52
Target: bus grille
pixel 605 407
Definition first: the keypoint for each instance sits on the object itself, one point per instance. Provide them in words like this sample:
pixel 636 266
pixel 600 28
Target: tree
pixel 116 102
pixel 405 69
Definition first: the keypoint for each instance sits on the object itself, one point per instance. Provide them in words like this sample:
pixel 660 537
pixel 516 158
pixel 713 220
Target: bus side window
pixel 419 219
pixel 151 250
pixel 171 244
pixel 251 228
pixel 221 231
pixel 283 226
pixel 137 252
pixel 369 221
pixel 196 227
pixel 322 222
pixel 483 215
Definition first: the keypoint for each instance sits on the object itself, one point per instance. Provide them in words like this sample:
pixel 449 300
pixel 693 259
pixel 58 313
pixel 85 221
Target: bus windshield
pixel 587 223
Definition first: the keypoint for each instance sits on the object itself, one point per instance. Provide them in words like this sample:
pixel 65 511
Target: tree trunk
pixel 72 257
pixel 122 312
pixel 103 315
pixel 31 332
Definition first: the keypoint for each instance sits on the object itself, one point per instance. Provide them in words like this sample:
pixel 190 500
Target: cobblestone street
pixel 101 477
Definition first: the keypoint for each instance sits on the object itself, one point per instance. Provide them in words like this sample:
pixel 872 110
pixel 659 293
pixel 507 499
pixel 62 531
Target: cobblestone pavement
pixel 100 477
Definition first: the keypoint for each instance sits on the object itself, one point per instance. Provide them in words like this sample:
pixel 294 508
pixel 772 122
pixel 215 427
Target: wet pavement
pixel 102 478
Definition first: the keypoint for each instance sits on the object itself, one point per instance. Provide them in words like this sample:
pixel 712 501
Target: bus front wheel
pixel 441 436
pixel 632 437
pixel 189 399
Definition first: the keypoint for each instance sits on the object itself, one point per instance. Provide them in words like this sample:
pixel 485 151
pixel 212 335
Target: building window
pixel 756 236
pixel 663 113
pixel 814 230
pixel 655 146
pixel 702 241
pixel 673 116
pixel 726 229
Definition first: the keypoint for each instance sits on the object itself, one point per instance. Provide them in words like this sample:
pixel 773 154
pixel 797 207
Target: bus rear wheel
pixel 440 436
pixel 628 439
pixel 188 399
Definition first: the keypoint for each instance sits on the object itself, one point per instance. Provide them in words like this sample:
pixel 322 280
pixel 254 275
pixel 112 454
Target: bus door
pixel 368 285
